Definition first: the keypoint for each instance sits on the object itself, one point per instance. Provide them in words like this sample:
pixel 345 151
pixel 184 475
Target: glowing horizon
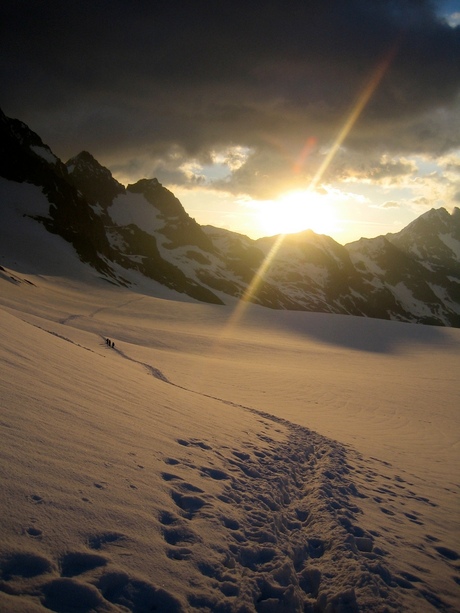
pixel 356 111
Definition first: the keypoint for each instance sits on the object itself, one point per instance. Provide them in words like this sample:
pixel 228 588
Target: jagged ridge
pixel 413 275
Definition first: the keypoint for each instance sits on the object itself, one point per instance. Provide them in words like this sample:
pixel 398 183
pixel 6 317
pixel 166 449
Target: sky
pixel 263 117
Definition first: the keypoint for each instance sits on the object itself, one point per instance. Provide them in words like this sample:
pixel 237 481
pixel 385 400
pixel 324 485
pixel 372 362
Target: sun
pixel 296 211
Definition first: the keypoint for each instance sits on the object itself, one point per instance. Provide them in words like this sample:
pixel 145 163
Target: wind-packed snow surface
pixel 218 458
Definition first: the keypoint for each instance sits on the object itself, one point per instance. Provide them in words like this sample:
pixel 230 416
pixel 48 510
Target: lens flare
pixel 310 144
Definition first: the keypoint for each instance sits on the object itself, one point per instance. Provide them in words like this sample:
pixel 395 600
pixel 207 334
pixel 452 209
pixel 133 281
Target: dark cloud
pixel 134 82
pixel 454 167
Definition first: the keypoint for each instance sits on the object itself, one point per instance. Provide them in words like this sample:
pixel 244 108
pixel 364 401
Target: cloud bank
pixel 152 88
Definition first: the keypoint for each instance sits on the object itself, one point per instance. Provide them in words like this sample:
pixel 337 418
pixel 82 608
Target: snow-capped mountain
pixel 142 229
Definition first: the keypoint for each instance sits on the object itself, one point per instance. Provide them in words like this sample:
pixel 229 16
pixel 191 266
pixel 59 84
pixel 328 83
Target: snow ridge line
pixel 64 338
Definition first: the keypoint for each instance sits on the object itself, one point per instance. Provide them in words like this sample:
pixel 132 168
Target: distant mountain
pixel 143 229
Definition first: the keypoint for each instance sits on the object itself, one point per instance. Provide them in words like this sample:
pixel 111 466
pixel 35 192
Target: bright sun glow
pixel 297 211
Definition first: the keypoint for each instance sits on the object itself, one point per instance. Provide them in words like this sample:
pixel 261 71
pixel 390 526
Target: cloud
pixel 391 205
pixel 137 83
pixel 356 166
pixel 422 202
pixel 451 165
pixel 454 19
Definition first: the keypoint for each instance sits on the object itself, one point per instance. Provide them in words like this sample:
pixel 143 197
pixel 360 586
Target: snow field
pixel 281 462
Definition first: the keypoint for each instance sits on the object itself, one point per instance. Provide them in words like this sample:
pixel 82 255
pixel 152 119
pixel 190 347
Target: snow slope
pixel 222 459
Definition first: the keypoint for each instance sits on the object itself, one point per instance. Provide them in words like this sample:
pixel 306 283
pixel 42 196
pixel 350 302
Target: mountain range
pixel 141 232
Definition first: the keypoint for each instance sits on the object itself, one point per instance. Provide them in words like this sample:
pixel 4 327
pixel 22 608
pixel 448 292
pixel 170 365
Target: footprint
pixel 24 564
pixel 62 594
pixel 249 471
pixel 194 443
pixel 230 523
pixel 413 518
pixel 169 477
pixel 36 499
pixel 181 484
pixel 426 501
pixel 267 502
pixel 202 445
pixel 302 514
pixel 310 581
pixel 179 534
pixel 203 602
pixel 450 554
pixel 179 553
pixel 100 486
pixel 253 557
pixel 241 455
pixel 33 532
pixel 315 547
pixel 214 473
pixel 433 539
pixel 364 544
pixel 187 503
pixel 229 499
pixel 99 540
pixel 229 589
pixel 135 594
pixel 213 570
pixel 261 536
pixel 189 487
pixel 167 519
pixel 78 562
pixel 410 577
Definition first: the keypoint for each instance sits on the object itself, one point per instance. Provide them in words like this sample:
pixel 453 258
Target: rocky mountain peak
pixel 19 131
pixel 85 163
pixel 154 192
pixel 433 239
pixel 93 179
pixel 432 222
pixel 145 185
pixel 180 229
pixel 23 154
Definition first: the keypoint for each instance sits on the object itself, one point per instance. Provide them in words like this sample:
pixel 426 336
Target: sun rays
pixel 309 192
